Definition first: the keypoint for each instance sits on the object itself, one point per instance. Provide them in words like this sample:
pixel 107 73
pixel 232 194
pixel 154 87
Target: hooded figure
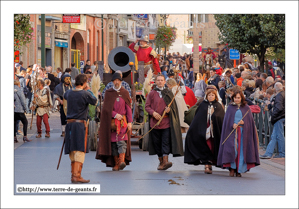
pixel 59 91
pixel 239 151
pixel 114 146
pixel 203 137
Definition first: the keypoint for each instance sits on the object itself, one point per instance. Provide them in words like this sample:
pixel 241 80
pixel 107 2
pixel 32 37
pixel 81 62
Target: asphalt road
pixel 35 163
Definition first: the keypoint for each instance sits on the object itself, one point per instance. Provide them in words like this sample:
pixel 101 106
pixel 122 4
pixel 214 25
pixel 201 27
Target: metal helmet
pixel 144 38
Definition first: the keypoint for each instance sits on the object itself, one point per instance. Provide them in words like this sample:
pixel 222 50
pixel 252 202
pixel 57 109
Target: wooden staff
pixel 163 112
pixel 61 153
pixel 234 128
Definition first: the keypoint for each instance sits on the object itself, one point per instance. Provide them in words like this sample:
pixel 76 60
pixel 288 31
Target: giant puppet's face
pixel 67 80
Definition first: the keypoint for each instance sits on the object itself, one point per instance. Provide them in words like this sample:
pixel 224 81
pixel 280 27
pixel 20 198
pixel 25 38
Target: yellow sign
pixel 161 21
pixel 80 26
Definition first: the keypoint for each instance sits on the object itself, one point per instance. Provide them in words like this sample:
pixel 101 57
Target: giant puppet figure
pixel 146 54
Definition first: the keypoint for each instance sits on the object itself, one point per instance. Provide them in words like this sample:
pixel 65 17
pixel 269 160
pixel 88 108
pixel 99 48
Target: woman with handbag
pixel 203 137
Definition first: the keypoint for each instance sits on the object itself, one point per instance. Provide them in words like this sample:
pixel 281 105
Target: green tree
pixel 165 36
pixel 23 32
pixel 252 33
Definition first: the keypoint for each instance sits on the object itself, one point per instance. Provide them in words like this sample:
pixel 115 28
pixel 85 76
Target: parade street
pixel 35 162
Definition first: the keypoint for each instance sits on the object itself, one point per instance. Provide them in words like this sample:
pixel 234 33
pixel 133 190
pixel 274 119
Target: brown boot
pixel 77 178
pixel 16 140
pixel 116 167
pixel 47 134
pixel 62 134
pixel 25 139
pixel 39 135
pixel 165 163
pixel 160 167
pixel 122 163
pixel 72 168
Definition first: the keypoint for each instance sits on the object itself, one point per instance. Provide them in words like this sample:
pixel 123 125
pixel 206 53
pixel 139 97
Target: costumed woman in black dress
pixel 203 137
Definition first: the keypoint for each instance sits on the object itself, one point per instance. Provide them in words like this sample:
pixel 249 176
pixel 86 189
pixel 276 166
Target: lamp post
pixel 43 48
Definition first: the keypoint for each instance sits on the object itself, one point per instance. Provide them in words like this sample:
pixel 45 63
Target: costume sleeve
pixel 213 55
pixel 129 114
pixel 148 104
pixel 91 99
pixel 156 64
pixel 113 114
pixel 22 99
pixel 133 48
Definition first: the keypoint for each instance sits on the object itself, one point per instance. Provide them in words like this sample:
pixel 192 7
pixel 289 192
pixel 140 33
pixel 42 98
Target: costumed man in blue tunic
pixel 76 128
pixel 59 91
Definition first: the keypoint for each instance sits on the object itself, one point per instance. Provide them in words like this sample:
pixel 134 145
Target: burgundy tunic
pixel 156 104
pixel 120 107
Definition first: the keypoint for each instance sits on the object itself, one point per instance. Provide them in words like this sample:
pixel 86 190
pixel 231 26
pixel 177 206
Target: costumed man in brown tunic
pixel 76 129
pixel 114 146
pixel 166 137
pixel 43 103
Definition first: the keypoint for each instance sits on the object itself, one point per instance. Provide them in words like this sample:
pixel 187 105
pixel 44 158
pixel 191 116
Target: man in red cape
pixel 146 54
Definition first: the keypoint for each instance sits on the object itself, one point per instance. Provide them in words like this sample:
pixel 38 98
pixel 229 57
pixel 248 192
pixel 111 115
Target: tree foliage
pixel 165 36
pixel 23 32
pixel 252 33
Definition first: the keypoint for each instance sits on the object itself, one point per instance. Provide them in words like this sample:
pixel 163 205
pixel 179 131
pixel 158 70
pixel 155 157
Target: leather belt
pixel 42 106
pixel 75 120
pixel 148 63
pixel 166 116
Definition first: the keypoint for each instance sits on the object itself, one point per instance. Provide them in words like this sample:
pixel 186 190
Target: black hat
pixel 171 73
pixel 116 76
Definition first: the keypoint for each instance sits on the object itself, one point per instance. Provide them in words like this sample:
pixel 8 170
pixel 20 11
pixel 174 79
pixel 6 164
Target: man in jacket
pixel 74 73
pixel 277 119
pixel 214 79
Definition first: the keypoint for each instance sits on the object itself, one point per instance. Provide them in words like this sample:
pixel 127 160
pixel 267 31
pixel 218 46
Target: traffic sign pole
pixel 234 63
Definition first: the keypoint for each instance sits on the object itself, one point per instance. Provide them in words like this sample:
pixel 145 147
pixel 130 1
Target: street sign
pixel 82 66
pixel 234 54
pixel 71 18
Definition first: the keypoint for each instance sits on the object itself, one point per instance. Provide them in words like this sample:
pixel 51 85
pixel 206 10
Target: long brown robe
pixel 104 152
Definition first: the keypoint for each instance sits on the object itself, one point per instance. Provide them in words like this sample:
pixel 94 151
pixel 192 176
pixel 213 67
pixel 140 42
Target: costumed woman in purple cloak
pixel 238 150
pixel 203 137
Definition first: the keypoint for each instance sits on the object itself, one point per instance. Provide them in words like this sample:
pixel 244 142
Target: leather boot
pixel 122 163
pixel 16 140
pixel 116 167
pixel 39 135
pixel 72 168
pixel 77 178
pixel 160 167
pixel 165 163
pixel 47 134
pixel 62 134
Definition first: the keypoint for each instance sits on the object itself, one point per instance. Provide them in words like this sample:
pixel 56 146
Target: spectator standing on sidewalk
pixel 199 87
pixel 20 108
pixel 277 113
pixel 74 73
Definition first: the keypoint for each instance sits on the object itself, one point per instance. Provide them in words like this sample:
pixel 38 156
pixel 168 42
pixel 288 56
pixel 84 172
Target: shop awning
pixel 61 43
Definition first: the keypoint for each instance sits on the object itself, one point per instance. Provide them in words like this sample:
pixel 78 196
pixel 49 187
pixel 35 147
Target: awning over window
pixel 61 43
